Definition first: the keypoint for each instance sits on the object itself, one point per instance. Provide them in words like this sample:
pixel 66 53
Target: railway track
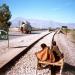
pixel 28 55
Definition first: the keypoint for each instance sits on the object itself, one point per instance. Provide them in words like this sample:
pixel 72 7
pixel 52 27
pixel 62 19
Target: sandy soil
pixel 19 41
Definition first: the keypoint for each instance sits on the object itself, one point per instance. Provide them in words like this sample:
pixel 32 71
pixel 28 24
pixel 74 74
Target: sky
pixel 55 10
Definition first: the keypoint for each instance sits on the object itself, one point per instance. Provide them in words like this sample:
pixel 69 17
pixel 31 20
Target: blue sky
pixel 56 10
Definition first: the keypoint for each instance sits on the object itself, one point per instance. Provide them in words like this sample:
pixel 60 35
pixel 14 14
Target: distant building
pixel 64 27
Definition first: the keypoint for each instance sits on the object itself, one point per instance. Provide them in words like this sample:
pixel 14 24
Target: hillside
pixel 40 23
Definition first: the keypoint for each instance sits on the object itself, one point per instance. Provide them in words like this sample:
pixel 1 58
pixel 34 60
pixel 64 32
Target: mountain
pixel 40 23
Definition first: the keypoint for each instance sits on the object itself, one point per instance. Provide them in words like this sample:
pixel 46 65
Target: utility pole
pixel 8 37
pixel 4 2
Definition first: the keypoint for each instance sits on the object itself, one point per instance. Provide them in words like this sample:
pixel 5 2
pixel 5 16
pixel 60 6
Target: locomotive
pixel 25 27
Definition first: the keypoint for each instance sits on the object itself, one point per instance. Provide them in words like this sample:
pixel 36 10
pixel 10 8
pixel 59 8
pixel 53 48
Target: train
pixel 25 27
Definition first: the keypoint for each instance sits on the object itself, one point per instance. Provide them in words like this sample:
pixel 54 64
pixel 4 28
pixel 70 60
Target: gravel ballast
pixel 27 65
